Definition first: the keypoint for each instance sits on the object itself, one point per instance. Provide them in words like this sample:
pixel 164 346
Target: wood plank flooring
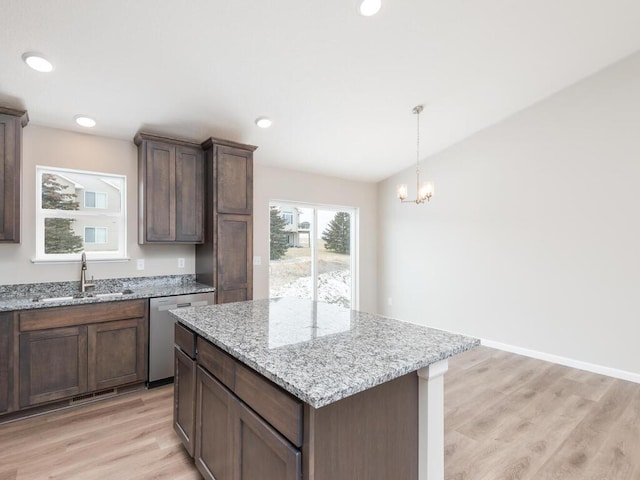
pixel 506 417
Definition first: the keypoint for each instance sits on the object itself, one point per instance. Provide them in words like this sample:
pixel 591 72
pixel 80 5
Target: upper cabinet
pixel 171 190
pixel 11 124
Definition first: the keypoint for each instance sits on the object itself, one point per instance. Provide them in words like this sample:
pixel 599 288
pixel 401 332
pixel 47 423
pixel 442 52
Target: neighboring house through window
pixel 95 199
pixel 80 211
pixel 95 235
pixel 313 252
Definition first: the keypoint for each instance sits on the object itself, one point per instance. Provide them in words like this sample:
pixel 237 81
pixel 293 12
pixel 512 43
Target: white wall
pixel 59 148
pixel 533 237
pixel 278 184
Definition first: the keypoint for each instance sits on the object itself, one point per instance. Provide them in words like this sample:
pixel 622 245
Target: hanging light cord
pixel 417 110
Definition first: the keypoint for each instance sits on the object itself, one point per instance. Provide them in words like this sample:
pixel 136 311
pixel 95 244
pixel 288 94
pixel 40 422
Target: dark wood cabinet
pixel 116 352
pixel 53 364
pixel 248 428
pixel 225 259
pixel 68 351
pixel 6 362
pixel 235 261
pixel 214 440
pixel 11 123
pixel 171 190
pixel 184 399
pixel 233 442
pixel 261 453
pixel 234 177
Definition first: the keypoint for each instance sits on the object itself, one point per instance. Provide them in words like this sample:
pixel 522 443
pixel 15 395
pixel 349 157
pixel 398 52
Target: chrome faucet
pixel 83 280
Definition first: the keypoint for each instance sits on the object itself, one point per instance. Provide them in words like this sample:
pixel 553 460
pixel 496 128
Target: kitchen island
pixel 294 389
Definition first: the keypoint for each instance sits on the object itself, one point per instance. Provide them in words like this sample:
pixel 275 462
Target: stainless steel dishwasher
pixel 161 333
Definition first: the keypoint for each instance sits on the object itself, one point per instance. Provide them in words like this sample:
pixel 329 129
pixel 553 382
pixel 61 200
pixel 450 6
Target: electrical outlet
pixel 180 262
pixel 390 301
pixel 140 264
pixel 257 261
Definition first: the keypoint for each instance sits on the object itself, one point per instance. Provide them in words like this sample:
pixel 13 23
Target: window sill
pixel 91 260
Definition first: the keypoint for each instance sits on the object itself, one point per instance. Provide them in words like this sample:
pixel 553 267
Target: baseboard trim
pixel 567 362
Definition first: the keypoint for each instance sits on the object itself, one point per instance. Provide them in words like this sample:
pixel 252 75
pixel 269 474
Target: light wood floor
pixel 506 417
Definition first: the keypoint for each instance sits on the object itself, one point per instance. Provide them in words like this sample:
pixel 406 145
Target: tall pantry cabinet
pixel 225 259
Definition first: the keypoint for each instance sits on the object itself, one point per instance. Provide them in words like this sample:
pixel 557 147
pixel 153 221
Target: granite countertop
pixel 30 295
pixel 318 352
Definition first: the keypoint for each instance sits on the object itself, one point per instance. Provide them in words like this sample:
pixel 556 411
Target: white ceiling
pixel 339 87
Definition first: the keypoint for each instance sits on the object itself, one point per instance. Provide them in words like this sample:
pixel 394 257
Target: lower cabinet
pixel 116 352
pixel 214 443
pixel 234 443
pixel 261 453
pixel 69 351
pixel 53 364
pixel 6 362
pixel 184 399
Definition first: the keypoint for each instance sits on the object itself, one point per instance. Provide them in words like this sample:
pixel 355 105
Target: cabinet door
pixel 160 195
pixel 189 194
pixel 234 258
pixel 260 452
pixel 184 399
pixel 214 407
pixel 53 364
pixel 234 180
pixel 10 153
pixel 116 353
pixel 6 361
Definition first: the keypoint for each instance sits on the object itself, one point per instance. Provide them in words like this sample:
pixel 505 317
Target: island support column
pixel 431 421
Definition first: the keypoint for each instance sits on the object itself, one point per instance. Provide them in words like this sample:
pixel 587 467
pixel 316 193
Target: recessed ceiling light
pixel 85 121
pixel 368 8
pixel 263 122
pixel 37 62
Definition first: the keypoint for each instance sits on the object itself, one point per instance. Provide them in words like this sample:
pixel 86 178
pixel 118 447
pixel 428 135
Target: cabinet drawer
pixel 220 364
pixel 185 339
pixel 276 406
pixel 57 317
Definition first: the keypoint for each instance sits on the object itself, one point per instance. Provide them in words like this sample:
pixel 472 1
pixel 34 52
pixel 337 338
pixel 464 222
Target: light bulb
pixel 37 62
pixel 85 121
pixel 264 122
pixel 402 191
pixel 368 8
pixel 426 190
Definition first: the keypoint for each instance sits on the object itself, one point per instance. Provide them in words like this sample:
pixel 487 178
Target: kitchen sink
pixel 78 296
pixel 53 299
pixel 107 295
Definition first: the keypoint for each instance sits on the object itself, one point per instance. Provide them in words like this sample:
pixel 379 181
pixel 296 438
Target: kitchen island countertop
pixel 318 352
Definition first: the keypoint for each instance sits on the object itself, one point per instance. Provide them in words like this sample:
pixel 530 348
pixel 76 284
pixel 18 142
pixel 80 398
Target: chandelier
pixel 424 190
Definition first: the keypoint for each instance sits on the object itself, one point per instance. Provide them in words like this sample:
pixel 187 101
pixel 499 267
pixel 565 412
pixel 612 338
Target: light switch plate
pixel 257 261
pixel 140 264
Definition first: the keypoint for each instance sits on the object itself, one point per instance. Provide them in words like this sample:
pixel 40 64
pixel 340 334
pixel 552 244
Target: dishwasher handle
pixel 172 306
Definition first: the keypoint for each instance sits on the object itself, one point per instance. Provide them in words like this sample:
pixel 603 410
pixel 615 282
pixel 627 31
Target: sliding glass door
pixel 313 252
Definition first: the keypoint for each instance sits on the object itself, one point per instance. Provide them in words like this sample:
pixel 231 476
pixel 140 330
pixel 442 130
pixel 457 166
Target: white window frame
pixel 96 194
pixel 120 254
pixel 354 250
pixel 106 235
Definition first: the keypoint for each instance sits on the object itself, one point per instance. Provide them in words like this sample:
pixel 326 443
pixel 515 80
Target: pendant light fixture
pixel 424 190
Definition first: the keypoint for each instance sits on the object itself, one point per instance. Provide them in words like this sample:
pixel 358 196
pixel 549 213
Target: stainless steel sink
pixel 54 299
pixel 78 296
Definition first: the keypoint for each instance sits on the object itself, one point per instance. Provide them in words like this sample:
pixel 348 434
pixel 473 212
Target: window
pixel 315 259
pixel 288 217
pixel 95 199
pixel 80 211
pixel 95 235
